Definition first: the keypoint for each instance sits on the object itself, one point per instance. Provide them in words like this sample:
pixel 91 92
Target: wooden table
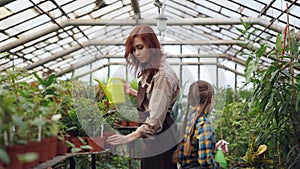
pixel 68 156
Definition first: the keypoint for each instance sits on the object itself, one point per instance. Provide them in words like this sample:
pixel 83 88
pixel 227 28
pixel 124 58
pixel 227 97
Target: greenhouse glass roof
pixel 60 36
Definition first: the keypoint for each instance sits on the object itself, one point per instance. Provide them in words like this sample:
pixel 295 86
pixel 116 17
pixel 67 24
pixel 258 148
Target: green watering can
pixel 114 90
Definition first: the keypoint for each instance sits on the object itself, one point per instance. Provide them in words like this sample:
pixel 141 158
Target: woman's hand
pixel 122 139
pixel 118 139
pixel 128 89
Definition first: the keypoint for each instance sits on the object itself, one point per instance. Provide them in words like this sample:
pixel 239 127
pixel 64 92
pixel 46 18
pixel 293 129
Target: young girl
pixel 196 149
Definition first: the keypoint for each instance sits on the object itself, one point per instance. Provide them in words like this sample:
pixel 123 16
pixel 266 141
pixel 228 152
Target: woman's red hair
pixel 149 37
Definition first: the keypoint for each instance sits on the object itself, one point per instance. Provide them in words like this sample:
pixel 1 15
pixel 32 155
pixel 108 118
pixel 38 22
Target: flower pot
pixel 13 152
pixel 133 124
pixel 124 123
pixel 52 146
pixel 61 148
pixel 97 143
pixel 33 147
pixel 44 150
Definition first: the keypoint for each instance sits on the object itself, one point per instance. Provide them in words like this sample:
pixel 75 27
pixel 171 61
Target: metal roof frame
pixel 55 35
pixel 130 22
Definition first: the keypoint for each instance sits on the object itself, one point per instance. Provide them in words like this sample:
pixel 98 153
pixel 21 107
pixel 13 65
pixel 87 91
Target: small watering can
pixel 114 90
pixel 115 87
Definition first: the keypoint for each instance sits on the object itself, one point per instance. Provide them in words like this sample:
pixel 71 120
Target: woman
pixel 197 147
pixel 157 92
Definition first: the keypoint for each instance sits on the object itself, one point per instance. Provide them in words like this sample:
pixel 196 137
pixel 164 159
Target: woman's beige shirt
pixel 162 93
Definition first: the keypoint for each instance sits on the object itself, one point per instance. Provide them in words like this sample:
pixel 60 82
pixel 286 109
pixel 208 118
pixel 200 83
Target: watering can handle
pixel 115 78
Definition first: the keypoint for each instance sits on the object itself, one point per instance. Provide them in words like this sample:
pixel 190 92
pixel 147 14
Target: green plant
pixel 4 157
pixel 235 125
pixel 26 111
pixel 89 116
pixel 277 95
pixel 114 113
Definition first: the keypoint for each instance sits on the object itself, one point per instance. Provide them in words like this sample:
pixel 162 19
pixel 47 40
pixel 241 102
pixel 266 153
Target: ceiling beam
pixel 129 22
pixel 85 61
pixel 98 68
pixel 208 55
pixel 190 63
pixel 80 63
pixel 101 42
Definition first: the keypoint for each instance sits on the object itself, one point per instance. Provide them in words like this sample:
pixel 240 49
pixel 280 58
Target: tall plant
pixel 277 93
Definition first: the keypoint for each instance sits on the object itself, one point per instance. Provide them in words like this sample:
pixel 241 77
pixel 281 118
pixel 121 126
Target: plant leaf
pixel 4 156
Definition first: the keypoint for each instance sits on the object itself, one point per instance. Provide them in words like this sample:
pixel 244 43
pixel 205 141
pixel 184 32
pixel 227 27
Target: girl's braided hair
pixel 200 93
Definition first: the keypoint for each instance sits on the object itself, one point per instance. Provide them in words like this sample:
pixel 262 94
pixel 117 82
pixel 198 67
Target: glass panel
pixel 16 19
pixel 230 13
pixel 61 3
pixel 17 6
pixel 230 5
pixel 208 12
pixel 2 37
pixel 208 5
pixel 251 4
pixel 273 12
pixel 106 10
pixel 181 10
pixel 76 5
pixel 249 13
pixel 84 10
pixel 265 1
pixel 4 12
pixel 295 10
pixel 47 6
pixel 31 23
pixel 120 13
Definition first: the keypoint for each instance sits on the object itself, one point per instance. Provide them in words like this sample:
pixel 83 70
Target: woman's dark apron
pixel 151 160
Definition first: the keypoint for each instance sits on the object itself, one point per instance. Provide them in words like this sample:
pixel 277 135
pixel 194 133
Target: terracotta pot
pixel 124 123
pixel 97 143
pixel 133 124
pixel 44 150
pixel 52 147
pixel 35 147
pixel 127 123
pixel 13 152
pixel 118 124
pixel 61 147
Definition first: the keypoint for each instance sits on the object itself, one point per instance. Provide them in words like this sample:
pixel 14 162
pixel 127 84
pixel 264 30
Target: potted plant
pixel 15 99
